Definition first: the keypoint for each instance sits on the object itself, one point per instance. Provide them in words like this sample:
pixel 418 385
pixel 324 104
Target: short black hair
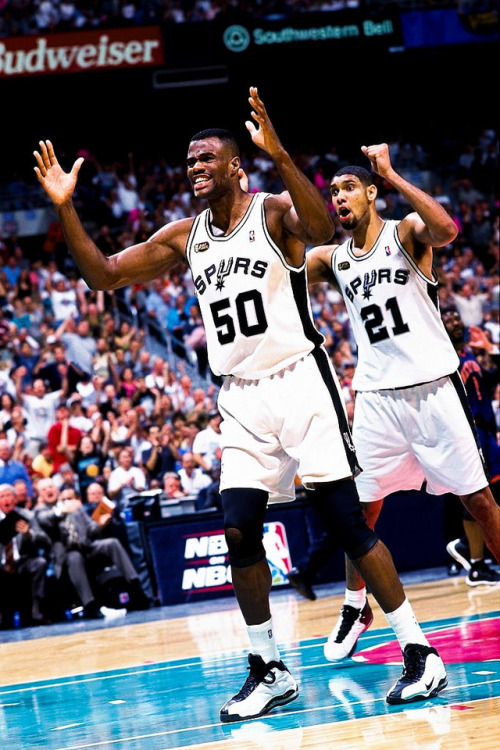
pixel 363 175
pixel 225 136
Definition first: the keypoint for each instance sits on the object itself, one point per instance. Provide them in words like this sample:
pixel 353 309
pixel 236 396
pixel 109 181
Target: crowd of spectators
pixel 23 17
pixel 18 18
pixel 109 393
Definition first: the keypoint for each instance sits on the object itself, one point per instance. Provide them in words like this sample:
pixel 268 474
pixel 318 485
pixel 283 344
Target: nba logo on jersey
pixel 251 235
pixel 387 250
pixel 277 552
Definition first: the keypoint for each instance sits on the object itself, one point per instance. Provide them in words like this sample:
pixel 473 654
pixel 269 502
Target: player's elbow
pixel 447 233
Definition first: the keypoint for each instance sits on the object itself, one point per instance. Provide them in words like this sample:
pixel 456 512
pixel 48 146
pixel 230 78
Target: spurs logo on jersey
pixel 367 281
pixel 255 306
pixel 215 274
pixel 394 313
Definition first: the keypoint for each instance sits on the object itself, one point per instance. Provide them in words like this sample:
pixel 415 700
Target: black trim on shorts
pixel 321 357
pixel 458 384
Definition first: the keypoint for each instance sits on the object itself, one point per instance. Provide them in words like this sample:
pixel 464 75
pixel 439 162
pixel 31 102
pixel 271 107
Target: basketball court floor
pixel 157 679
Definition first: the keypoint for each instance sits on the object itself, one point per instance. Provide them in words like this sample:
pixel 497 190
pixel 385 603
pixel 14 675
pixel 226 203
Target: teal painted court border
pixel 175 704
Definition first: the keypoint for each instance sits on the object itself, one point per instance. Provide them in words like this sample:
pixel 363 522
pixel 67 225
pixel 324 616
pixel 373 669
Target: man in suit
pixel 22 563
pixel 80 547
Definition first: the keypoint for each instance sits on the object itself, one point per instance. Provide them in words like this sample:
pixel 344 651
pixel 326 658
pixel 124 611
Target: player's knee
pixel 479 504
pixel 244 525
pixel 366 543
pixel 338 506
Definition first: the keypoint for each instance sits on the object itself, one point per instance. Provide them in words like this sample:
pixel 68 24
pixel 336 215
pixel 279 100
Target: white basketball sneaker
pixel 344 636
pixel 267 686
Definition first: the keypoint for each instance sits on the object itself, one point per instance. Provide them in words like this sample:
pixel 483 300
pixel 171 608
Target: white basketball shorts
pixel 290 424
pixel 408 435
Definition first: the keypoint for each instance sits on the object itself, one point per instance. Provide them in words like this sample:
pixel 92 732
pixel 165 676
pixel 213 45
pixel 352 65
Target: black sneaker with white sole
pixel 481 573
pixel 424 675
pixel 267 686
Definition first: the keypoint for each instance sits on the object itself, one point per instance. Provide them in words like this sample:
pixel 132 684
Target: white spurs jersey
pixel 255 306
pixel 394 313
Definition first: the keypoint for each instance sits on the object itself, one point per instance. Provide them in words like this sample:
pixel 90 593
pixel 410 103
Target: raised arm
pixel 430 224
pixel 307 216
pixel 139 263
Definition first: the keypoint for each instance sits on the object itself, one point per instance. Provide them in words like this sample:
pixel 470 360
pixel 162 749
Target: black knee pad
pixel 337 504
pixel 244 512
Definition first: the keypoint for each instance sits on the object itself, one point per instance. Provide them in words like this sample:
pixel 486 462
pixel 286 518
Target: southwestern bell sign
pixel 81 51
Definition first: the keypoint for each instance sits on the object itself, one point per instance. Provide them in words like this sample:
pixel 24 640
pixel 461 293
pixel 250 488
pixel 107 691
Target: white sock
pixel 355 599
pixel 405 625
pixel 262 641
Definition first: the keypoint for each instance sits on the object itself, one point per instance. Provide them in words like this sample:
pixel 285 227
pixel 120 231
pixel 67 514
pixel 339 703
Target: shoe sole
pixel 281 700
pixel 458 557
pixel 421 697
pixel 353 649
pixel 481 583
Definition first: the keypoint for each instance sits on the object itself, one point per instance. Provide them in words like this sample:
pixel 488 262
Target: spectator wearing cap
pixel 207 445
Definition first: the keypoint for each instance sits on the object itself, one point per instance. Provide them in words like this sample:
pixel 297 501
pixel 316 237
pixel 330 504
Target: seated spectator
pixel 126 479
pixel 23 498
pixel 66 479
pixel 84 549
pixel 88 463
pixel 11 469
pixel 22 567
pixel 43 462
pixel 193 478
pixel 172 488
pixel 207 443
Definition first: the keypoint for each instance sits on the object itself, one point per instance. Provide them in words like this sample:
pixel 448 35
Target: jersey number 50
pixel 247 306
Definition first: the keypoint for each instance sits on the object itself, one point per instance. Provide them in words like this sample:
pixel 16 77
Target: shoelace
pixel 256 676
pixel 414 664
pixel 349 616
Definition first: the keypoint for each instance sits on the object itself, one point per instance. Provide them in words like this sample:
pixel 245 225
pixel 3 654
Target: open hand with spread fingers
pixel 58 184
pixel 265 135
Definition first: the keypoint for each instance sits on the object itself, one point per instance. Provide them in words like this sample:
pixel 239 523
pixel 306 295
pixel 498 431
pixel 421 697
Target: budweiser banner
pixel 81 51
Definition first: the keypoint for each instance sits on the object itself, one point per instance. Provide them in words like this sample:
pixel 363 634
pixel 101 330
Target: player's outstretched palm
pixel 58 184
pixel 265 135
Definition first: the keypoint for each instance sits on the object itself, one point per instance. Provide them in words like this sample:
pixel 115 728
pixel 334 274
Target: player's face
pixel 453 324
pixel 349 199
pixel 208 167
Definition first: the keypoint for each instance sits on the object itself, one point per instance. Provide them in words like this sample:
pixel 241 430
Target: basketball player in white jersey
pixel 280 401
pixel 412 421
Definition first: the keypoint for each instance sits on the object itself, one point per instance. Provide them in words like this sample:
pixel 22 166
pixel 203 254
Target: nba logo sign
pixel 387 250
pixel 277 552
pixel 251 235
